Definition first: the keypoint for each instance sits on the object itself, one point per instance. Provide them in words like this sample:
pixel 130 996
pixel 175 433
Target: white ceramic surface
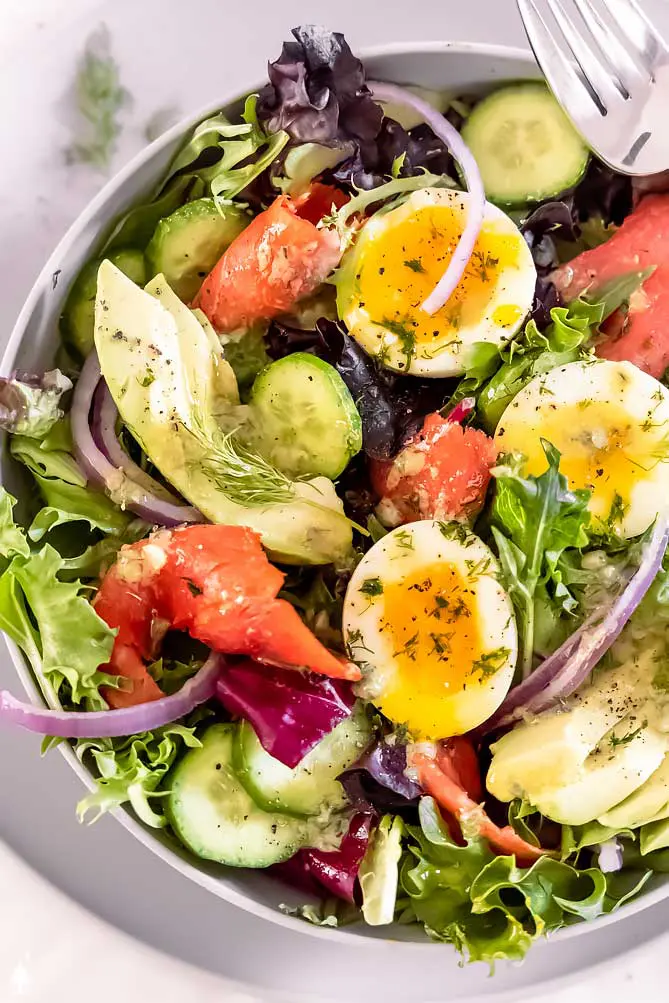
pixel 39 822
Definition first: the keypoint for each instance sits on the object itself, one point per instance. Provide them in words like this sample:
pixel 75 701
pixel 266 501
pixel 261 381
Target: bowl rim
pixel 187 868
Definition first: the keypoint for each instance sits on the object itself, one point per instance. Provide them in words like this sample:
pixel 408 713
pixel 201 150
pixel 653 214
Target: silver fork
pixel 608 66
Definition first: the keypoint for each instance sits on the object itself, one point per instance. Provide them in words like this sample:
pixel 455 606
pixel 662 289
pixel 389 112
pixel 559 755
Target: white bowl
pixel 451 67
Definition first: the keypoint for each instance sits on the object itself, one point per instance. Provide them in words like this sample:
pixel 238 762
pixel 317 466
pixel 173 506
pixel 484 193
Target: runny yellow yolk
pixel 432 623
pixel 602 449
pixel 404 261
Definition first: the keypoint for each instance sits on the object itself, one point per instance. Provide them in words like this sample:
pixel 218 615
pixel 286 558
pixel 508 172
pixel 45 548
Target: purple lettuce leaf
pixel 317 92
pixel 378 782
pixel 332 872
pixel 290 711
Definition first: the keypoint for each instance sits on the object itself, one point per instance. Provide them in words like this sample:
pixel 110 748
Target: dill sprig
pixel 244 476
pixel 100 97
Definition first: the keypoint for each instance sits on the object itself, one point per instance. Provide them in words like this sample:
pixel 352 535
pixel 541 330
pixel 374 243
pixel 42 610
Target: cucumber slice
pixel 77 323
pixel 186 245
pixel 526 147
pixel 311 788
pixel 212 814
pixel 307 423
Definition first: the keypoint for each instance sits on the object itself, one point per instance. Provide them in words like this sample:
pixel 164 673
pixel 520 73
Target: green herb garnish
pixel 99 97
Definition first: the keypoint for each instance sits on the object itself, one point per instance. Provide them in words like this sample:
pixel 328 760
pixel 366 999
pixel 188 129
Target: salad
pixel 344 553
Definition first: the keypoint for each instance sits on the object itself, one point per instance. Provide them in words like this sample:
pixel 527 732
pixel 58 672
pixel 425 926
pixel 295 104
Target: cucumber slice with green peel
pixel 526 147
pixel 212 814
pixel 310 788
pixel 186 245
pixel 77 323
pixel 306 421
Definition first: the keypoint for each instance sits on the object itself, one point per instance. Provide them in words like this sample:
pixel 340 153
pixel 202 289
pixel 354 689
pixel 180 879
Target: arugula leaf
pixel 486 905
pixel 229 157
pixel 534 519
pixel 496 375
pixel 132 769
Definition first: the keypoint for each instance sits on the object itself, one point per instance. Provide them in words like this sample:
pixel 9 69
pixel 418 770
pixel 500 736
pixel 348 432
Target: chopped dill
pixel 99 98
pixel 371 587
pixel 409 648
pixel 614 741
pixel 404 540
pixel 244 476
pixel 475 569
pixel 415 265
pixel 441 644
pixel 490 662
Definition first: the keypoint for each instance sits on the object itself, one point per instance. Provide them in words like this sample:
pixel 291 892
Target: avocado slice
pixel 648 803
pixel 175 391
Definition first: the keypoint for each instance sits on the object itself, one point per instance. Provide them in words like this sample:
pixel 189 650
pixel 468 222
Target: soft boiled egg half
pixel 433 630
pixel 398 259
pixel 610 423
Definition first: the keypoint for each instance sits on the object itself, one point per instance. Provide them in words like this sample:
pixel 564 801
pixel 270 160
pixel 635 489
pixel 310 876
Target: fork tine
pixel 647 41
pixel 607 90
pixel 630 72
pixel 557 68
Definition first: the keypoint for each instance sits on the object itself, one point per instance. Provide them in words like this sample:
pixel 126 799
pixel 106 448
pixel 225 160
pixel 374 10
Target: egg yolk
pixel 602 449
pixel 404 261
pixel 432 623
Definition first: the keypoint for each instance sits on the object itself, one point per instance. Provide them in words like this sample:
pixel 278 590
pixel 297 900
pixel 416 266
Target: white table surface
pixel 171 54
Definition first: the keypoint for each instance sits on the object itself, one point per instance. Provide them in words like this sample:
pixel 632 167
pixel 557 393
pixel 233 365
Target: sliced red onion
pixel 114 723
pixel 462 410
pixel 105 417
pixel 566 669
pixel 97 467
pixel 449 135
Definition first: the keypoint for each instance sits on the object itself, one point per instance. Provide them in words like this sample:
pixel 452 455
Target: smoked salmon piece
pixel 639 334
pixel 277 260
pixel 443 473
pixel 214 582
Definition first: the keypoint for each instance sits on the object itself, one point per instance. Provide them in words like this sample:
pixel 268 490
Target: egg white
pixel 509 293
pixel 447 708
pixel 614 415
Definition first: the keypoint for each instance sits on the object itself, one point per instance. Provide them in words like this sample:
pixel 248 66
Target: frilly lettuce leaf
pixel 486 905
pixel 327 912
pixel 64 488
pixel 72 639
pixel 12 538
pixel 131 770
pixel 51 620
pixel 378 874
pixel 29 405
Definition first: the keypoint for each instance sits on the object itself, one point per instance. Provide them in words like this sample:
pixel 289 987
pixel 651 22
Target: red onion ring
pixel 566 669
pixel 105 417
pixel 449 135
pixel 97 467
pixel 115 723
